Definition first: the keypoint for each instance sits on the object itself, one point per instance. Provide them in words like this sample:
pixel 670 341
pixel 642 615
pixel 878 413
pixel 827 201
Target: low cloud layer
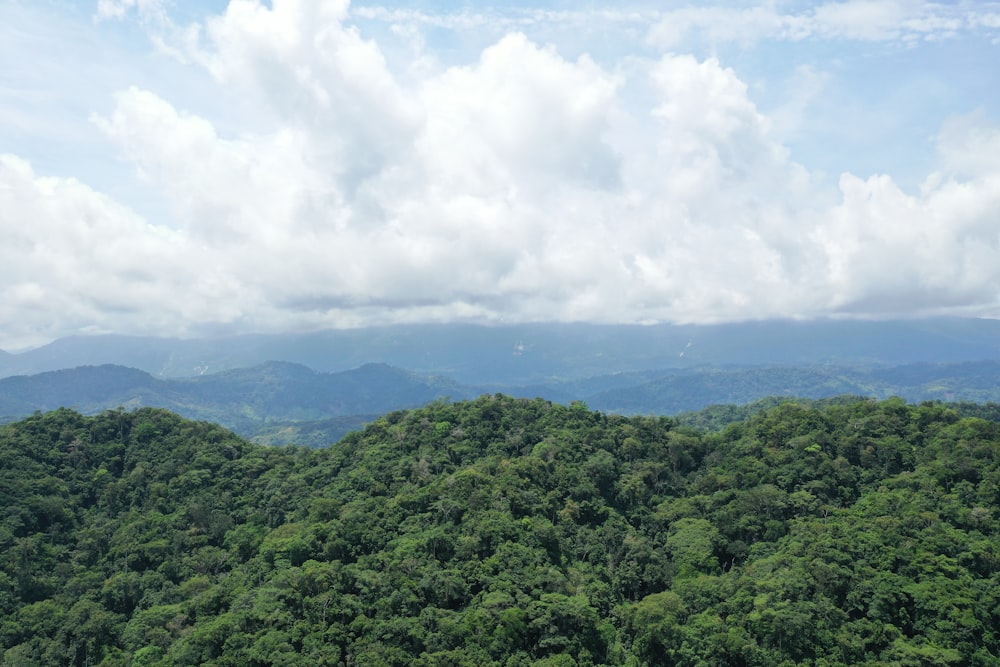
pixel 519 185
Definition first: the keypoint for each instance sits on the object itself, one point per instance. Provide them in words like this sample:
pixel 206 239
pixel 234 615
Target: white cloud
pixel 313 72
pixel 73 260
pixel 524 110
pixel 519 185
pixel 897 254
pixel 223 190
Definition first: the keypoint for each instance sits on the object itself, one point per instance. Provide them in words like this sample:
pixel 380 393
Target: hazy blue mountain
pixel 279 402
pixel 88 389
pixel 143 353
pixel 961 381
pixel 690 391
pixel 535 353
pixel 285 391
pixel 245 400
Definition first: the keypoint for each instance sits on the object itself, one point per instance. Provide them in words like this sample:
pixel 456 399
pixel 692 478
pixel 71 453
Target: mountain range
pixel 534 353
pixel 281 402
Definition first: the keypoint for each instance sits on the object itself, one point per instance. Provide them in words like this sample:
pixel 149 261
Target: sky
pixel 192 168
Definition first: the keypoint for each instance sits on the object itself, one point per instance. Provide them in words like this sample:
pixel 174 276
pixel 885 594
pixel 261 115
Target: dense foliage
pixel 505 531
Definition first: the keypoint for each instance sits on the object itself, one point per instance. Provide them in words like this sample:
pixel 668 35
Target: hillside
pixel 505 531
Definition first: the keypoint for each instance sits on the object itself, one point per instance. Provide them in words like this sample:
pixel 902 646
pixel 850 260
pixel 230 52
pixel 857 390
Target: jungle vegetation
pixel 505 532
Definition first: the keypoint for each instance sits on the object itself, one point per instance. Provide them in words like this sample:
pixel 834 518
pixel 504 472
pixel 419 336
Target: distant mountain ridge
pixel 687 391
pixel 244 400
pixel 535 353
pixel 281 402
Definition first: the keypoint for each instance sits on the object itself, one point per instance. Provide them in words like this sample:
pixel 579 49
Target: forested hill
pixel 508 532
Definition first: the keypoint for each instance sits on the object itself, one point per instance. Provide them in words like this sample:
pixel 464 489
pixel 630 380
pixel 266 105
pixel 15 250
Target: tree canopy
pixel 503 532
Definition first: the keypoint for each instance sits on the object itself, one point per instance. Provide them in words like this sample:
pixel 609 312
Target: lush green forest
pixel 505 531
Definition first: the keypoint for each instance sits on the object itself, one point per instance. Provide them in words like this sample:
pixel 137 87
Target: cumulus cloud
pixel 896 254
pixel 935 252
pixel 521 185
pixel 74 260
pixel 222 190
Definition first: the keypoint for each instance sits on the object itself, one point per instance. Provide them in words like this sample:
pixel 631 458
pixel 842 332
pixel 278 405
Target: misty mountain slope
pixel 242 399
pixel 88 389
pixel 690 391
pixel 535 354
pixel 280 402
pixel 281 390
pixel 963 381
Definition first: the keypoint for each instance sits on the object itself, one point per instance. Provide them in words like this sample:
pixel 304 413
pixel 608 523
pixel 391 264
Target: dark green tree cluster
pixel 505 532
